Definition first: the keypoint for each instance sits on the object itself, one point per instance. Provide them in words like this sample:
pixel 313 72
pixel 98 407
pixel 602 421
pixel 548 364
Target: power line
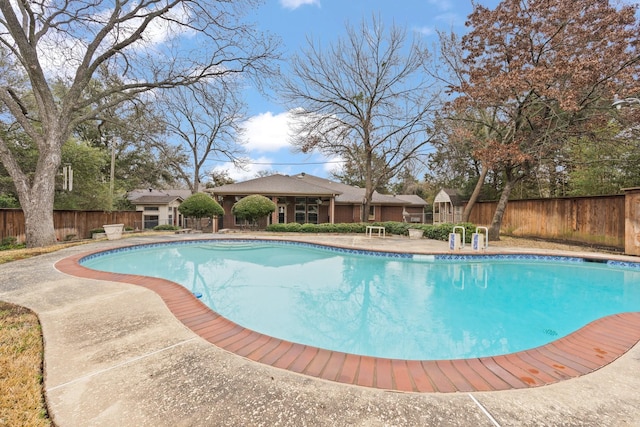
pixel 295 163
pixel 279 163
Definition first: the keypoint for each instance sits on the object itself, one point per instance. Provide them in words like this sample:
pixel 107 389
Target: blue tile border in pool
pixel 624 264
pixel 446 257
pixel 245 241
pixel 508 257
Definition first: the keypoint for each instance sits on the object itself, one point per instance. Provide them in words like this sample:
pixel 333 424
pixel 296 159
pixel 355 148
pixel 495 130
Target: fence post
pixel 632 221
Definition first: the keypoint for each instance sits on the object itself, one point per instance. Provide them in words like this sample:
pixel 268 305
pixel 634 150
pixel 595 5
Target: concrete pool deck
pixel 116 355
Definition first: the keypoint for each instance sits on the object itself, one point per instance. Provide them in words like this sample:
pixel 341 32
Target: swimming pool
pixel 391 305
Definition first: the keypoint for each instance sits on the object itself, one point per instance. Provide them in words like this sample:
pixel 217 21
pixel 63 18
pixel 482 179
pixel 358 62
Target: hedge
pixel 435 232
pixel 166 227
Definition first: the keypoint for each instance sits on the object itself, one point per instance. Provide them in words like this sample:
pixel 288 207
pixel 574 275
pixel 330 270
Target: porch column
pixel 332 209
pixel 274 214
pixel 632 221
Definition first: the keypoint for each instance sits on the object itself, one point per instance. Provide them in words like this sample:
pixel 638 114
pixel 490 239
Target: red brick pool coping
pixel 586 350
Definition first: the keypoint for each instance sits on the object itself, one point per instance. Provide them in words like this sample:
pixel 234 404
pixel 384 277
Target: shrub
pixel 253 207
pixel 397 228
pixel 9 243
pixel 441 231
pixel 309 228
pixel 165 227
pixel 8 201
pixel 96 230
pixel 292 227
pixel 328 228
pixel 435 232
pixel 200 205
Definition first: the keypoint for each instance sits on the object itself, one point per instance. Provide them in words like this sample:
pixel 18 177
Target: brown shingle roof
pixel 155 200
pixel 351 194
pixel 275 185
pixel 136 194
pixel 305 185
pixel 413 199
pixel 451 195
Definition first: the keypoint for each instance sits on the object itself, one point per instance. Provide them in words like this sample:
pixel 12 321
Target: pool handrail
pixel 486 236
pixel 455 227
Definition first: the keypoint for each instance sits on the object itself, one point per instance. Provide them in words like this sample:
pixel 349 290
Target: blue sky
pixel 266 131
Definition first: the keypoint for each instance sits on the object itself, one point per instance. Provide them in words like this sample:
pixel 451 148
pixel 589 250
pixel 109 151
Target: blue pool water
pixel 394 305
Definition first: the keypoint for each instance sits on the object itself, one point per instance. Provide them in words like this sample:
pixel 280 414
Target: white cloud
pixel 266 139
pixel 266 132
pixel 425 30
pixel 441 4
pixel 161 30
pixel 249 171
pixel 334 164
pixel 294 4
pixel 320 166
pixel 444 20
pixel 451 19
pixel 61 52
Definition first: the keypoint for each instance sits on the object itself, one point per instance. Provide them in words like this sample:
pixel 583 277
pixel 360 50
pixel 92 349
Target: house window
pixel 306 210
pixel 240 222
pixel 372 213
pixel 312 213
pixel 301 210
pixel 151 208
pixel 151 221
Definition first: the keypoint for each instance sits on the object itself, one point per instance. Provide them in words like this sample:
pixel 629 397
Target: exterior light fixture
pixel 624 102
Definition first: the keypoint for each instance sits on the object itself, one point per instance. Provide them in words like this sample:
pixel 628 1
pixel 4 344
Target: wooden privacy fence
pixel 68 224
pixel 598 220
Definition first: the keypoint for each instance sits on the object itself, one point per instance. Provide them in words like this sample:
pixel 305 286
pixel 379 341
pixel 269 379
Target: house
pixel 448 206
pixel 158 207
pixel 414 212
pixel 305 198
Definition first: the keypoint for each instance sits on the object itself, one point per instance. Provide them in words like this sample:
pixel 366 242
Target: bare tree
pixel 146 45
pixel 219 177
pixel 206 117
pixel 353 170
pixel 365 99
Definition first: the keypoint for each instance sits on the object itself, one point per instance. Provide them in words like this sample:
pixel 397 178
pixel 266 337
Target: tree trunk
pixel 475 195
pixel 37 204
pixel 36 195
pixel 38 222
pixel 364 214
pixel 496 222
pixel 194 186
pixel 368 177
